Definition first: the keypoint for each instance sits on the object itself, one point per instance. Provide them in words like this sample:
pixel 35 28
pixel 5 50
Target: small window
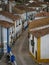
pixel 19 22
pixel 32 42
pixel 16 25
pixel 12 32
pixel 33 49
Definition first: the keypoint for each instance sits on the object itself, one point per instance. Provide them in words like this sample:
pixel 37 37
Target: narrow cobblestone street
pixel 21 52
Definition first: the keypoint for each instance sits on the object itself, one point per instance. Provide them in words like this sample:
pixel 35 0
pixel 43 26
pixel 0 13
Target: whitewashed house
pixel 39 40
pixel 17 29
pixel 24 12
pixel 20 10
pixel 5 39
pixel 35 5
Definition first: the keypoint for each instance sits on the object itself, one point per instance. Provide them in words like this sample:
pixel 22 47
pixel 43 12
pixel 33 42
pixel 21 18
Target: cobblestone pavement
pixel 21 52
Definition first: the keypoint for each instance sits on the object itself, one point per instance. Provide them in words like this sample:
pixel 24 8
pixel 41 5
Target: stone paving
pixel 21 51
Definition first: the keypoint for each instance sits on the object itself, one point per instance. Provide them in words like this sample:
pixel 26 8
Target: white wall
pixel 32 12
pixel 23 16
pixel 5 18
pixel 19 27
pixel 11 34
pixel 5 39
pixel 30 46
pixel 25 24
pixel 35 45
pixel 4 35
pixel 45 47
pixel 39 17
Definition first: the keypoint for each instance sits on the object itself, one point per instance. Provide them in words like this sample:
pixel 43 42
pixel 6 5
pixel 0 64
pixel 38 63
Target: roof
pixel 10 15
pixel 42 3
pixel 34 4
pixel 5 24
pixel 42 14
pixel 17 10
pixel 41 32
pixel 39 23
pixel 24 8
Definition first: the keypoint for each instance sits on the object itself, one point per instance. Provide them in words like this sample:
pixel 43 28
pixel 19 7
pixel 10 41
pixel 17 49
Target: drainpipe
pixel 15 29
pixel 7 36
pixel 27 18
pixel 26 15
pixel 2 38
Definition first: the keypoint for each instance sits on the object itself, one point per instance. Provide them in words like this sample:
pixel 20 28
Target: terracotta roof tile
pixel 40 33
pixel 24 8
pixel 10 15
pixel 39 23
pixel 42 14
pixel 6 24
pixel 34 4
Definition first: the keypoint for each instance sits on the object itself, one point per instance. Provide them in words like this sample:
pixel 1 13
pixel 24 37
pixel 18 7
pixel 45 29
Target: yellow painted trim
pixel 38 60
pixel 33 57
pixel 38 52
pixel 44 60
pixel 38 49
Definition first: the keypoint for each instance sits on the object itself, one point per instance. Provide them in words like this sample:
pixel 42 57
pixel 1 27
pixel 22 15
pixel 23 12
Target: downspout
pixel 15 28
pixel 26 15
pixel 27 19
pixel 1 53
pixel 7 36
pixel 1 36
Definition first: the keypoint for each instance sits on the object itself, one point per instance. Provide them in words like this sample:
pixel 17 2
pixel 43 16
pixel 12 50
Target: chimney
pixel 11 5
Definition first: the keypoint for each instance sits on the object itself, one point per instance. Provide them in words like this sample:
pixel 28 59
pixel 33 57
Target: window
pixel 12 30
pixel 32 44
pixel 33 49
pixel 17 23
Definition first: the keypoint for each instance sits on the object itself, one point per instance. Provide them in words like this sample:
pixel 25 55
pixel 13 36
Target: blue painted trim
pixel 1 39
pixel 26 16
pixel 26 27
pixel 7 36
